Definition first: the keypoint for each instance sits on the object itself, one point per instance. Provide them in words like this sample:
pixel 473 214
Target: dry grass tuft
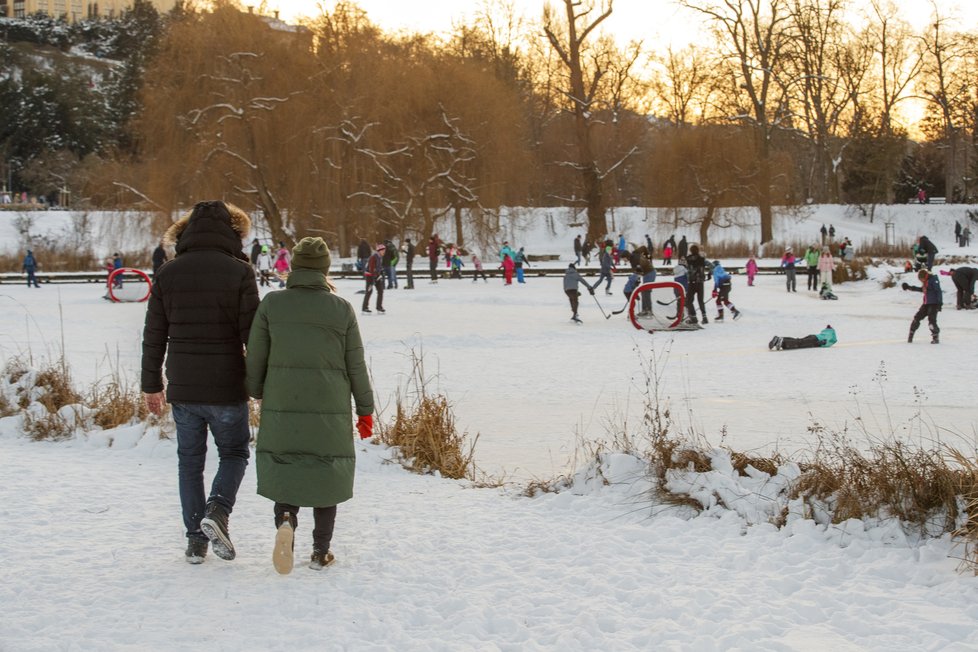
pixel 427 438
pixel 6 408
pixel 967 531
pixel 55 381
pixel 768 465
pixel 425 433
pixel 893 479
pixel 51 426
pixel 116 405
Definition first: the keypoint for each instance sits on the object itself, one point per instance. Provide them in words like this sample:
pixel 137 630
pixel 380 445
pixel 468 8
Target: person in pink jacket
pixel 826 265
pixel 751 269
pixel 283 264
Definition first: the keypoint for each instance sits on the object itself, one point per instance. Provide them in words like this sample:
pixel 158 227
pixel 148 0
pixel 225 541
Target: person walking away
pixel 751 269
pixel 305 362
pixel 409 263
pixel 832 232
pixel 721 291
pixel 825 234
pixel 200 329
pixel 823 339
pixel 389 261
pixel 930 287
pixel 578 247
pixel 788 262
pixel 29 267
pixel 957 232
pixel 682 247
pixel 265 267
pixel 373 275
pixel 282 264
pixel 519 261
pixel 159 257
pixel 607 268
pixel 811 263
pixel 434 245
pixel 586 251
pixel 826 266
pixel 477 266
pixel 929 249
pixel 696 265
pixel 573 278
pixel 964 283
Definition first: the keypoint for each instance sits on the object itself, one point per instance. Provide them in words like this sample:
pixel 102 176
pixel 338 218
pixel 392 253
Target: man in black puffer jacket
pixel 198 317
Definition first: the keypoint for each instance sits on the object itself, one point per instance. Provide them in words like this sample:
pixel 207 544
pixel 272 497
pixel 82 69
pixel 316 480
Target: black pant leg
pixel 322 533
pixel 807 342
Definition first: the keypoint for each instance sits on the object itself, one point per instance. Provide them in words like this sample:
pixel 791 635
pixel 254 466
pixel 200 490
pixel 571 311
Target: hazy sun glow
pixel 656 22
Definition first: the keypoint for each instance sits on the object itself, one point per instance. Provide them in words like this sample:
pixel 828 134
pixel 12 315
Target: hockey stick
pixel 618 312
pixel 606 315
pixel 666 303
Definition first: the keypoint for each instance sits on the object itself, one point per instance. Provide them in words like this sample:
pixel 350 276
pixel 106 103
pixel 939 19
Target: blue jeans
pixel 229 426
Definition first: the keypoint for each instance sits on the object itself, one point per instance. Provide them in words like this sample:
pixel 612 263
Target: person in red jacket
pixel 373 275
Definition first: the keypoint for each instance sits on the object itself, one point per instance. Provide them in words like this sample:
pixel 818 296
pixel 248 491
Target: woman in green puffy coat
pixel 305 360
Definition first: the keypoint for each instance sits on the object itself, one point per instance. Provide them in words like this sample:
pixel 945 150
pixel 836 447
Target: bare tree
pixel 585 70
pixel 415 176
pixel 684 84
pixel 819 49
pixel 753 36
pixel 945 87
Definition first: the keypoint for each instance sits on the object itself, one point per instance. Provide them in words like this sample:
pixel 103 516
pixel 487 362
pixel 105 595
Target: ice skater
pixel 930 287
pixel 824 339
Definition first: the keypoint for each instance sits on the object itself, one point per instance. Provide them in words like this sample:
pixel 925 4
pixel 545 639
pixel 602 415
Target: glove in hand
pixel 365 426
pixel 905 285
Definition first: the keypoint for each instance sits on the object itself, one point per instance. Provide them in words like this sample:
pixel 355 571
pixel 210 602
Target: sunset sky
pixel 654 21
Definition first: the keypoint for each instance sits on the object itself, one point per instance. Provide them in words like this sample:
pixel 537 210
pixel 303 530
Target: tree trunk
pixel 459 238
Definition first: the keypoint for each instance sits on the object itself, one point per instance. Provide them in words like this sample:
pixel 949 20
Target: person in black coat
pixel 409 264
pixel 964 282
pixel 928 248
pixel 198 318
pixel 681 248
pixel 159 257
pixel 696 272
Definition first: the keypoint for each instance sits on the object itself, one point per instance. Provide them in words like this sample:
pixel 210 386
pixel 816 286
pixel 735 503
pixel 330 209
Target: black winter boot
pixel 910 337
pixel 196 550
pixel 215 526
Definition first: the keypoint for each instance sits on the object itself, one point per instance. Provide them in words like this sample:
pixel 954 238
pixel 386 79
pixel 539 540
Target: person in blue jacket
pixel 607 268
pixel 823 339
pixel 29 267
pixel 721 291
pixel 930 287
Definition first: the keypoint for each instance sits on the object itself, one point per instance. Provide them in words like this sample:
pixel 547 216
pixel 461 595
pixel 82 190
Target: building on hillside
pixel 73 10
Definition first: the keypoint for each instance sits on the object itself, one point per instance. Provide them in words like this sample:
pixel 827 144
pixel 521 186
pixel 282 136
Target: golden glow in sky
pixel 656 22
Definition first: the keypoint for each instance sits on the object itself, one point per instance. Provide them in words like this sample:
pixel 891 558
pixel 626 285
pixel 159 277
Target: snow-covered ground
pixel 92 552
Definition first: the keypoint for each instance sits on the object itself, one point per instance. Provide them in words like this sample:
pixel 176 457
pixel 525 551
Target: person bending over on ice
pixel 721 291
pixel 572 278
pixel 305 362
pixel 933 299
pixel 825 338
pixel 964 282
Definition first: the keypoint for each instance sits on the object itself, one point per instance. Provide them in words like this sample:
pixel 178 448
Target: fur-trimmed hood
pixel 211 224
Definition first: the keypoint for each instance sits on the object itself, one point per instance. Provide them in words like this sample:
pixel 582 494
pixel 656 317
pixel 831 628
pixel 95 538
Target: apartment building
pixel 74 10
